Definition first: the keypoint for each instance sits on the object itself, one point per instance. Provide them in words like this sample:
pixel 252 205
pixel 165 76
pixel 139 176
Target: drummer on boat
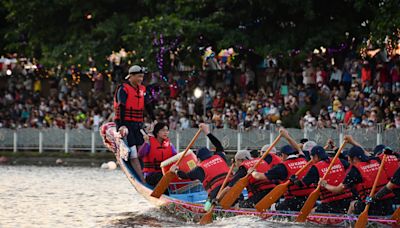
pixel 156 149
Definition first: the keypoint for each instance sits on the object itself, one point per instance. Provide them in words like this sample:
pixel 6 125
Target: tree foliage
pixel 69 31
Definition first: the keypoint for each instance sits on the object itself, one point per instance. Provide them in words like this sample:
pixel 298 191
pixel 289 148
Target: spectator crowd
pixel 358 94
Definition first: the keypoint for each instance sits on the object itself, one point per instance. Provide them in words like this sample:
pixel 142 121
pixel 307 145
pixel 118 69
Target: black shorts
pixel 339 206
pixel 381 207
pixel 291 204
pixel 135 137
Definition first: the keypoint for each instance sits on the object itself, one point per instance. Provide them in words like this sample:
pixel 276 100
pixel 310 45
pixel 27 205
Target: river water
pixel 32 196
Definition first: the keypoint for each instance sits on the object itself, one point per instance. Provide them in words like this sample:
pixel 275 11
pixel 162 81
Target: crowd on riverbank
pixel 359 94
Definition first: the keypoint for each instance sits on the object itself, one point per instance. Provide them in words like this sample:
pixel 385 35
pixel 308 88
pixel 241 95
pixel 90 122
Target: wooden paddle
pixel 208 217
pixel 396 215
pixel 310 202
pixel 233 193
pixel 167 178
pixel 276 193
pixel 363 217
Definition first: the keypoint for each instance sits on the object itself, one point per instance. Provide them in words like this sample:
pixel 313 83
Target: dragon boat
pixel 186 198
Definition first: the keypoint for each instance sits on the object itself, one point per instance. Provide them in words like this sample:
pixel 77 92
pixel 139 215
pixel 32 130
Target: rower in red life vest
pixel 256 189
pixel 292 162
pixel 330 202
pixel 391 165
pixel 393 184
pixel 211 169
pixel 156 149
pixel 361 176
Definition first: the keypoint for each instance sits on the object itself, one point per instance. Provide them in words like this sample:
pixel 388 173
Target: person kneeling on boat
pixel 257 189
pixel 292 162
pixel 361 177
pixel 330 202
pixel 156 149
pixel 211 171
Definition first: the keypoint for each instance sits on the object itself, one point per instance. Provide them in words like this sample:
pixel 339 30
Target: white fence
pixel 54 139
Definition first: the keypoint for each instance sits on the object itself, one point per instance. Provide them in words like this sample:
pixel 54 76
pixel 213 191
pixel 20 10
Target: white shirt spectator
pixel 336 75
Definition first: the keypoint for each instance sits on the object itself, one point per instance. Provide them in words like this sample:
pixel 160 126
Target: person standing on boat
pixel 257 189
pixel 129 105
pixel 330 202
pixel 292 162
pixel 361 177
pixel 211 169
pixel 156 149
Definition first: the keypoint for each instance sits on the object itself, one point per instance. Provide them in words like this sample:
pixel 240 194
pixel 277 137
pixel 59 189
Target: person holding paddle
pixel 392 163
pixel 211 169
pixel 330 202
pixel 292 162
pixel 360 177
pixel 394 183
pixel 257 189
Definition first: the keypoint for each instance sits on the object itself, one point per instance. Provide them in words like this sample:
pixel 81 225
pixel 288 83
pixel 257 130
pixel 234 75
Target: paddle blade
pixel 233 193
pixel 396 215
pixel 208 217
pixel 308 205
pixel 276 193
pixel 362 219
pixel 163 184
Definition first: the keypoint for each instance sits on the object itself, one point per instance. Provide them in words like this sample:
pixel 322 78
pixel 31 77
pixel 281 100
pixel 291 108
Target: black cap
pixel 203 153
pixel 287 149
pixel 379 149
pixel 320 152
pixel 358 152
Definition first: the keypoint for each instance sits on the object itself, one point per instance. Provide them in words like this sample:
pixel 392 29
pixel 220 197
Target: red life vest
pixel 275 160
pixel 158 153
pixel 254 185
pixel 215 170
pixel 391 165
pixel 292 166
pixel 368 171
pixel 335 177
pixel 134 106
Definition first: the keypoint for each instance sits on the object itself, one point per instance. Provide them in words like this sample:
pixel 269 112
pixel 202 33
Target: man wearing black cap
pixel 292 162
pixel 330 202
pixel 361 177
pixel 211 169
pixel 129 105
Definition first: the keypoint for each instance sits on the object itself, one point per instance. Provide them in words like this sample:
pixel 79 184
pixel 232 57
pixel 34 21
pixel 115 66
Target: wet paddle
pixel 167 178
pixel 310 202
pixel 396 215
pixel 363 217
pixel 233 193
pixel 276 193
pixel 208 217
